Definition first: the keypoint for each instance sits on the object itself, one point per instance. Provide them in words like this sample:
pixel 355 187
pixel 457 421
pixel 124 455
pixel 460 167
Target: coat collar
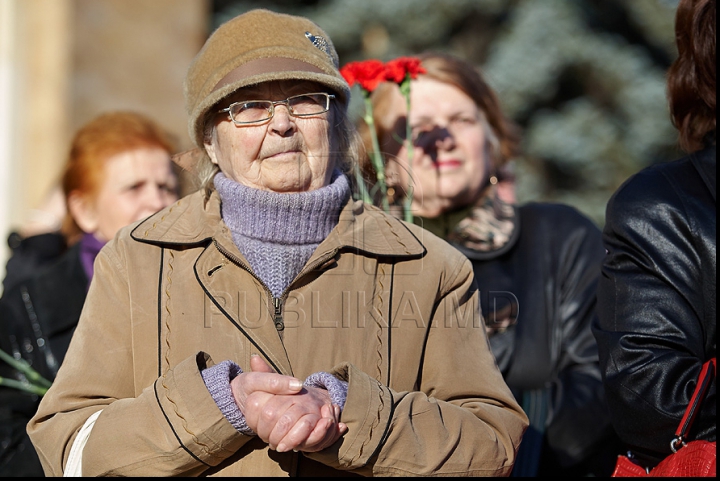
pixel 195 220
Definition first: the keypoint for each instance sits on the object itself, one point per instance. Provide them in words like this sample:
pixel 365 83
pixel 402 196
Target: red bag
pixel 696 458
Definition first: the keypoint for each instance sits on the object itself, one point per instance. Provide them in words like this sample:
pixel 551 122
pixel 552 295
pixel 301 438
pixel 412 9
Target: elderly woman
pixel 267 324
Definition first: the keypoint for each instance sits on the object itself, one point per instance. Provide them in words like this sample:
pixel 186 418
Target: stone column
pixel 62 62
pixel 35 39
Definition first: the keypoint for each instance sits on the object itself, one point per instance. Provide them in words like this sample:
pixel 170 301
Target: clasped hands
pixel 284 413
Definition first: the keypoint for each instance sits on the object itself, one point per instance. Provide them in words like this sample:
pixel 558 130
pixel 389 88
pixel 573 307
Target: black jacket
pixel 31 254
pixel 657 315
pixel 37 319
pixel 543 284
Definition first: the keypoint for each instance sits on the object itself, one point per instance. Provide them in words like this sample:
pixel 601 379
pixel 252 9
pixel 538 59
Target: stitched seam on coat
pixel 172 428
pixel 147 232
pixel 397 237
pixel 159 311
pixel 378 333
pixel 168 316
pixel 381 404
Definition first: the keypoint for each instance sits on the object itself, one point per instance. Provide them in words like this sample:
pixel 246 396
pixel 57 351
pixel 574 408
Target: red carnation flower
pixel 368 74
pixel 397 69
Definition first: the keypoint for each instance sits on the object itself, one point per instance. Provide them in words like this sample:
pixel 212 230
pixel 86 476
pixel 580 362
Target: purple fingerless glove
pixel 334 386
pixel 217 379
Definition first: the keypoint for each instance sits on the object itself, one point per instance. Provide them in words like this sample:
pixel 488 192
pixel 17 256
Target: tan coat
pixel 173 295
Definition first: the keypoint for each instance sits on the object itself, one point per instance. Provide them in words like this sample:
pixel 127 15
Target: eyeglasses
pixel 255 111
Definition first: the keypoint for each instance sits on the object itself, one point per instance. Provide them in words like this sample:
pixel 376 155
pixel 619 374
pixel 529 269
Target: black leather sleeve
pixel 580 419
pixel 654 329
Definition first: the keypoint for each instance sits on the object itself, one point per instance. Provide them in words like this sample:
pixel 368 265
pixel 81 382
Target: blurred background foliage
pixel 584 79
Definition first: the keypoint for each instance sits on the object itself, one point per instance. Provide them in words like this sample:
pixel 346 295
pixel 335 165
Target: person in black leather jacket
pixel 656 297
pixel 118 171
pixel 536 265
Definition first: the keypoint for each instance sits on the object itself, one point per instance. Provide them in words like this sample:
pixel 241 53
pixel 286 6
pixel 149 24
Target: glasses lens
pixel 252 111
pixel 309 104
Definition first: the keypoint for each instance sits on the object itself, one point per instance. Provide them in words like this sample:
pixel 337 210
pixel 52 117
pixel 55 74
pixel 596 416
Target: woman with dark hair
pixel 536 265
pixel 657 317
pixel 118 172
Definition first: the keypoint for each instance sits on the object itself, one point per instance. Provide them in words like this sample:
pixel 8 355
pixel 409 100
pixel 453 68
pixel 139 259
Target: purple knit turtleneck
pixel 277 232
pixel 89 248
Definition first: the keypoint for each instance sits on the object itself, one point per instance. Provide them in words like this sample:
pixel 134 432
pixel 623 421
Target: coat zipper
pixel 279 323
pixel 276 301
pixel 40 338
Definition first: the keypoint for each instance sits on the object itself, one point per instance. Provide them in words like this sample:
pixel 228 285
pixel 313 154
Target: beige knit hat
pixel 258 46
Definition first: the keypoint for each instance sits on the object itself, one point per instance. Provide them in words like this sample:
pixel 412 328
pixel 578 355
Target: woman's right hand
pixel 285 414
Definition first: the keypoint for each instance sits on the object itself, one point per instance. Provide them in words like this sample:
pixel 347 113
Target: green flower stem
pixel 21 365
pixel 361 185
pixel 376 155
pixel 409 146
pixel 31 388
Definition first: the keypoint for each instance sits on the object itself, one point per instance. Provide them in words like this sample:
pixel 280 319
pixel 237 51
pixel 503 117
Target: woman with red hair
pixel 118 172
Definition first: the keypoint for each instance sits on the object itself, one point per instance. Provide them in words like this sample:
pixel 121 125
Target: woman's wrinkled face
pixel 451 159
pixel 285 154
pixel 135 184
